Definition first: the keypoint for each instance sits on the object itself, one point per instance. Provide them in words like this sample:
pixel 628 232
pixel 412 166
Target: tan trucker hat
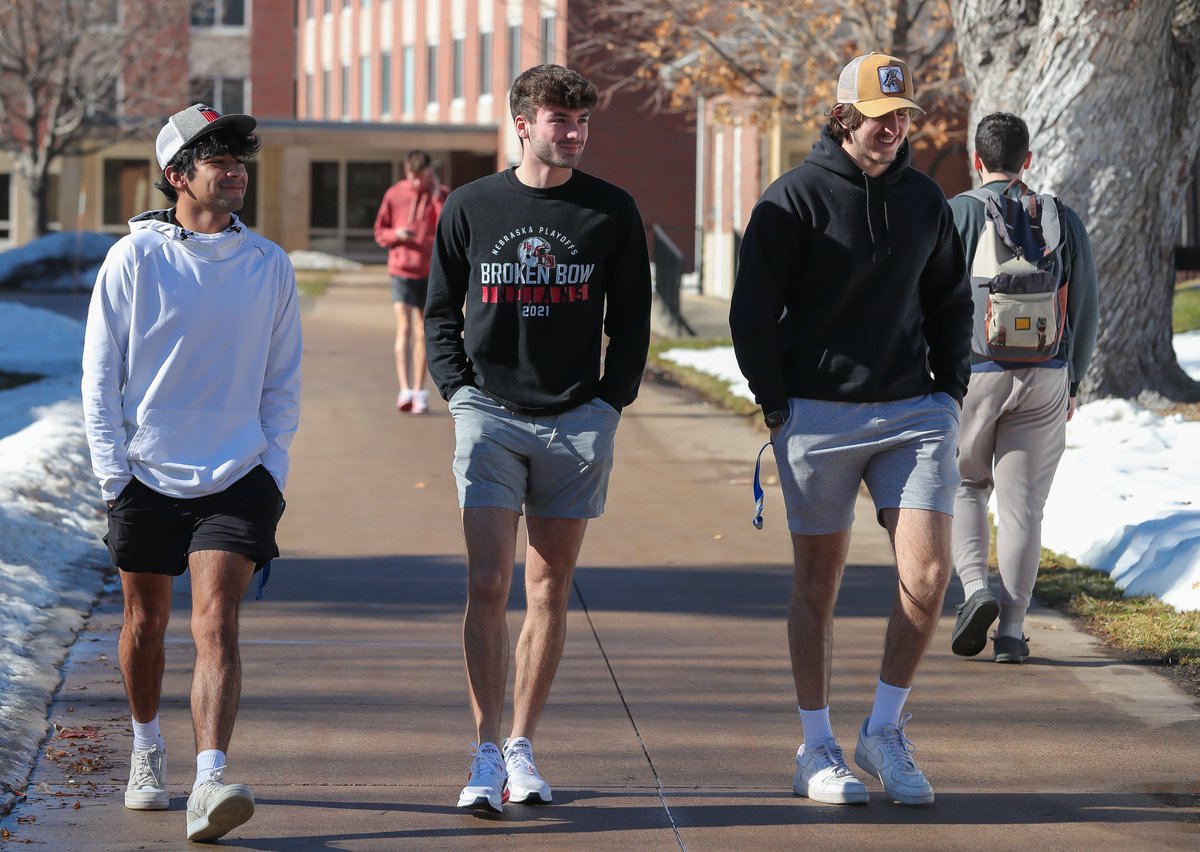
pixel 876 83
pixel 188 125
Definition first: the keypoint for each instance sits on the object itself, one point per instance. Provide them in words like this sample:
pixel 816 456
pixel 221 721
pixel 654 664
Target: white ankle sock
pixel 146 734
pixel 207 762
pixel 970 587
pixel 816 725
pixel 889 702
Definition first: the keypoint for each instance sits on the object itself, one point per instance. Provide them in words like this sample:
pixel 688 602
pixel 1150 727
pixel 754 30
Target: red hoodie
pixel 414 208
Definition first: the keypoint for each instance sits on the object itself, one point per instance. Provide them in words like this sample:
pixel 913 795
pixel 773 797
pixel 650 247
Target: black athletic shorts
pixel 152 533
pixel 410 291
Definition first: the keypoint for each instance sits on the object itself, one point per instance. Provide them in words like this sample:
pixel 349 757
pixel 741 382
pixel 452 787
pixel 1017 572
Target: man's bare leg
pixel 219 580
pixel 140 647
pixel 491 537
pixel 921 540
pixel 404 343
pixel 550 559
pixel 819 562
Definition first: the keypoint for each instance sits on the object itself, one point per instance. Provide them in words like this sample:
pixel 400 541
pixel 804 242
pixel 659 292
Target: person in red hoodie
pixel 405 226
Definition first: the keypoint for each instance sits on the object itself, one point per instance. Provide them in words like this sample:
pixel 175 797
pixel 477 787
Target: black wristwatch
pixel 775 418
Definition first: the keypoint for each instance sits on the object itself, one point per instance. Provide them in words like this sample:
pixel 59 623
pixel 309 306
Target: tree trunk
pixel 1111 95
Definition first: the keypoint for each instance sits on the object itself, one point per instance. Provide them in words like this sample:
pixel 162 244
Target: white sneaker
pixel 404 402
pixel 420 402
pixel 485 787
pixel 147 788
pixel 823 776
pixel 888 756
pixel 216 808
pixel 525 785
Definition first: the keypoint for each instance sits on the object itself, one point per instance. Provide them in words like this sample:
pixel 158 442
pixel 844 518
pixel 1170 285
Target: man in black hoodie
pixel 550 259
pixel 851 320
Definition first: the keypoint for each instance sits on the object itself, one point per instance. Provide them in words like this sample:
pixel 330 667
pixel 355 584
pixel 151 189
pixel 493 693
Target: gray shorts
pixel 553 466
pixel 904 450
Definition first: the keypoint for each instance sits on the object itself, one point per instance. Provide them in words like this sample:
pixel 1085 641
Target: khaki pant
pixel 1013 433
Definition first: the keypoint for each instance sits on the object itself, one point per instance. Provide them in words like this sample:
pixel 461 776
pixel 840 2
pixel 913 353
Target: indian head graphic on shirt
pixel 524 285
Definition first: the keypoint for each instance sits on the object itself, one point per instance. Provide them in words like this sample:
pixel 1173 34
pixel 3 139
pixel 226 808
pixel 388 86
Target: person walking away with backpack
pixel 1036 310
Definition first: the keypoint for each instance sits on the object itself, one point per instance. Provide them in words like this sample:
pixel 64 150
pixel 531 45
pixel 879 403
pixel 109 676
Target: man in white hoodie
pixel 191 388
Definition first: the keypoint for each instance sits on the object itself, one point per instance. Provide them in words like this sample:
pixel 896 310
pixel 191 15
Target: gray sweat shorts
pixel 904 450
pixel 551 466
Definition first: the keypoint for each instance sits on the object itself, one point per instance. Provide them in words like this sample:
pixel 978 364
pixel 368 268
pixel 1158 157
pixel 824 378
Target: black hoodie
pixel 851 288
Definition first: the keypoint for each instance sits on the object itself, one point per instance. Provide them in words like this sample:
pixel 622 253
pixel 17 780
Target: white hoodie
pixel 191 359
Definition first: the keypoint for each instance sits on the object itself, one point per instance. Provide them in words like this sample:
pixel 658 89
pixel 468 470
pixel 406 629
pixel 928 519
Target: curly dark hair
pixel 550 86
pixel 214 144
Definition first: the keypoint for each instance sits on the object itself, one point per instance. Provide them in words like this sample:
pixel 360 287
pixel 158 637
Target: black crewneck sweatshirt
pixel 851 288
pixel 544 274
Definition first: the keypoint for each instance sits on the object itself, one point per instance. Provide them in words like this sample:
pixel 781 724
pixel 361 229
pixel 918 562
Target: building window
pixel 548 39
pixel 457 48
pixel 5 206
pixel 326 96
pixel 218 13
pixel 345 91
pixel 126 190
pixel 323 210
pixel 514 52
pixel 409 82
pixel 385 83
pixel 364 85
pixel 308 95
pixel 431 80
pixel 224 94
pixel 485 63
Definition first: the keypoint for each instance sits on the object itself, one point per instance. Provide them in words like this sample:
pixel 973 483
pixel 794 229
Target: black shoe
pixel 1010 649
pixel 973 618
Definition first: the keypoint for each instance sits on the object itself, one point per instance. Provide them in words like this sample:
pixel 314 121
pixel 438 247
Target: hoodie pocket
pixel 202 440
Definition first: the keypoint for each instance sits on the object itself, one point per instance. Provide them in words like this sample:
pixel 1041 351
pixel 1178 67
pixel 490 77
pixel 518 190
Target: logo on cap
pixel 891 79
pixel 210 114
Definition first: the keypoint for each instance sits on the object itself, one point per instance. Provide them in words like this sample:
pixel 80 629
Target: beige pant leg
pixel 1012 437
pixel 1030 438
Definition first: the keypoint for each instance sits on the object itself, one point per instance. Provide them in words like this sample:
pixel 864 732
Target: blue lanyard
pixel 759 495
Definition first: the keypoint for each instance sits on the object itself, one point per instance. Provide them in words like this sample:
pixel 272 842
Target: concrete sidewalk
pixel 672 723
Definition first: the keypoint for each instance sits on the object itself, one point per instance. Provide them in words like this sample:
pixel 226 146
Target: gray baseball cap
pixel 188 125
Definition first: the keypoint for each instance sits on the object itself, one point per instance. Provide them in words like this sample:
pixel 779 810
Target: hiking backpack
pixel 1017 281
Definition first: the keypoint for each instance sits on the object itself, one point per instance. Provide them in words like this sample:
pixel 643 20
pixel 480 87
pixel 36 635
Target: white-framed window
pixel 548 29
pixel 431 75
pixel 458 60
pixel 514 52
pixel 224 94
pixel 308 95
pixel 364 88
pixel 409 80
pixel 346 91
pixel 326 92
pixel 485 62
pixel 219 13
pixel 385 84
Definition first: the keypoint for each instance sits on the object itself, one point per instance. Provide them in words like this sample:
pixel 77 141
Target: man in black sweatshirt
pixel 851 320
pixel 548 260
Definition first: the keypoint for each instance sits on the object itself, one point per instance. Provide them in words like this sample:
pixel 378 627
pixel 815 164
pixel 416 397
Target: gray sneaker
pixel 823 776
pixel 888 756
pixel 1010 649
pixel 147 788
pixel 215 808
pixel 972 619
